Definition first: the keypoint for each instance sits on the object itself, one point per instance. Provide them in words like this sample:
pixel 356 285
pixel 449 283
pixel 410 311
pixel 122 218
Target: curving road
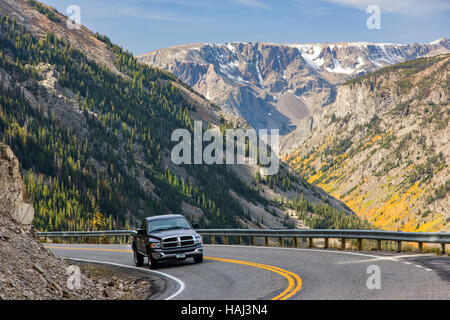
pixel 246 272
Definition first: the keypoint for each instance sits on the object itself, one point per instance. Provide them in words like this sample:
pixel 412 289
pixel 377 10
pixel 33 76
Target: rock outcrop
pixel 13 199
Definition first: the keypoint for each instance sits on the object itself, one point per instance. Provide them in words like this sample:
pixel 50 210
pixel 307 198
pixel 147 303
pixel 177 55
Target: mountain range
pixel 278 85
pixel 367 122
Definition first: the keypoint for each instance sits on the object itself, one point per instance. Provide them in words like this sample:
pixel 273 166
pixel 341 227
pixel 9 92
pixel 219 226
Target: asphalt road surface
pixel 246 272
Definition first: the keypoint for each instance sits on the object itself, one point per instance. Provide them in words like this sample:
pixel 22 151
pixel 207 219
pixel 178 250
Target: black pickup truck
pixel 165 238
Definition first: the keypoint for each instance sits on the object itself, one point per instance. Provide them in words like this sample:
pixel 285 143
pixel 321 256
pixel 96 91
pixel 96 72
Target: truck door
pixel 142 238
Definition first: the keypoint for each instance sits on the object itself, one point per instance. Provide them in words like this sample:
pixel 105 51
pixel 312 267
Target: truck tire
pixel 138 258
pixel 153 263
pixel 198 259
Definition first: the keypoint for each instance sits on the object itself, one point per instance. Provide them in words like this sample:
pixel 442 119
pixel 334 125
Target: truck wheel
pixel 138 258
pixel 152 262
pixel 198 259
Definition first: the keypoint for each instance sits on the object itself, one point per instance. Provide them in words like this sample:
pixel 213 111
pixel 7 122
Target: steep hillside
pixel 91 127
pixel 383 146
pixel 274 85
pixel 29 271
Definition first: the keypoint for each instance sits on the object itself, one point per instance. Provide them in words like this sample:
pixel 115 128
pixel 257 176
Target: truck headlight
pixel 155 245
pixel 198 240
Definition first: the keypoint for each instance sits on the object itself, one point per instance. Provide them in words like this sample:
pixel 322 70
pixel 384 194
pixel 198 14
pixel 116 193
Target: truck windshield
pixel 168 223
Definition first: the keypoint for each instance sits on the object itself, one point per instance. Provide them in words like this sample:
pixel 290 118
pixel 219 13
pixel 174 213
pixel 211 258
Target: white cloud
pixel 307 8
pixel 118 10
pixel 252 3
pixel 411 7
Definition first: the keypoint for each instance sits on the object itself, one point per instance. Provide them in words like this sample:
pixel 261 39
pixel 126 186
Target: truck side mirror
pixel 195 225
pixel 140 231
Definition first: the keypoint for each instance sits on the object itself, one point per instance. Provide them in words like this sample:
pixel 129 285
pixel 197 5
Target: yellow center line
pixel 90 249
pixel 292 278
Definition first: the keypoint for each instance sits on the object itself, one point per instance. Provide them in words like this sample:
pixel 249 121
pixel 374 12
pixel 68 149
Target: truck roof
pixel 164 216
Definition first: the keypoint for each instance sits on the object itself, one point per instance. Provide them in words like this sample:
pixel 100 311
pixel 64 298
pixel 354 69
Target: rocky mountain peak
pixel 278 85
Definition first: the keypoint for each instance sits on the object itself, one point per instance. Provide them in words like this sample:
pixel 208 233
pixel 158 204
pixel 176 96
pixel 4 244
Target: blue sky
pixel 146 25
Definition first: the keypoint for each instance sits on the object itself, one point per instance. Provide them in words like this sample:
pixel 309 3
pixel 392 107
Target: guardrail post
pixel 281 241
pixel 310 242
pixel 359 244
pixel 379 245
pixel 252 240
pixel 399 246
pixel 325 245
pixel 226 240
pixel 443 248
pixel 213 240
pixel 342 243
pixel 239 240
pixel 420 245
pixel 295 242
pixel 266 241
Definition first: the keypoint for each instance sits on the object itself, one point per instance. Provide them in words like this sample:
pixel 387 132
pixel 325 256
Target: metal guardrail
pixel 107 233
pixel 428 237
pixel 442 238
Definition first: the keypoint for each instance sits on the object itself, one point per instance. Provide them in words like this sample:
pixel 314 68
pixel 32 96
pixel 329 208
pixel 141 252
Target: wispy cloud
pixel 137 12
pixel 307 7
pixel 252 3
pixel 409 7
pixel 188 3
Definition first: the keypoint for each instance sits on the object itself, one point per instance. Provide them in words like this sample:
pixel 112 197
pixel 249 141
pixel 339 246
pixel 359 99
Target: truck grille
pixel 177 242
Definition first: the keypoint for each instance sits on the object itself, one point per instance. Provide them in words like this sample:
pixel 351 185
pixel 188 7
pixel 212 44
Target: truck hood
pixel 173 233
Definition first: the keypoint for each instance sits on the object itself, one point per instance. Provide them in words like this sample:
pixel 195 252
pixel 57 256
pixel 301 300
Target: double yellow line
pixel 294 281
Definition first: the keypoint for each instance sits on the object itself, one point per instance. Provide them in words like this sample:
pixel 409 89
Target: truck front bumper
pixel 161 255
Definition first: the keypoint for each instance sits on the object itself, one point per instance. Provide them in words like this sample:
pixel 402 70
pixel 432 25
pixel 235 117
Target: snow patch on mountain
pixel 259 72
pixel 337 67
pixel 311 55
pixel 230 47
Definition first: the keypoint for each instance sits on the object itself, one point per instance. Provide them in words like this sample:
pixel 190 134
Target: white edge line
pixel 181 284
pixel 392 258
pixel 386 258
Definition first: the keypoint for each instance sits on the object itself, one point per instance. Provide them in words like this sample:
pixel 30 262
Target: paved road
pixel 244 272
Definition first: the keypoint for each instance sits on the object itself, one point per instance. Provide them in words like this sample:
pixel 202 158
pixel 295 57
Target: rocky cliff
pixel 13 199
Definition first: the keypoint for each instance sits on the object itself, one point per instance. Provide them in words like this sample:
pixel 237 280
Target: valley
pixel 91 127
